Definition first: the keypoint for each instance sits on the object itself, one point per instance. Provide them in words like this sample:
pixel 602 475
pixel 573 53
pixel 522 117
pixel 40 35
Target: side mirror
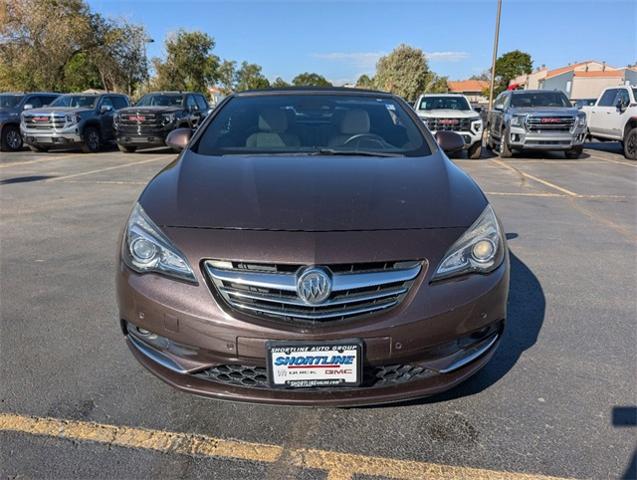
pixel 179 138
pixel 450 142
pixel 621 106
pixel 27 106
pixel 106 109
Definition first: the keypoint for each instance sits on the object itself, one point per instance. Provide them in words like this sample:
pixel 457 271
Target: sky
pixel 343 39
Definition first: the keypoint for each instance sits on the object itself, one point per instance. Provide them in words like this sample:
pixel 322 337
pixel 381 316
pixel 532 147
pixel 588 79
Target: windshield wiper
pixel 355 153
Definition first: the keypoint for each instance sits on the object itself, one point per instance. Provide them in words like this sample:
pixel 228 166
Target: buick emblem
pixel 314 285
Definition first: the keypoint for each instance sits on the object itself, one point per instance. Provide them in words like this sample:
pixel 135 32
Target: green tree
pixel 307 79
pixel 436 84
pixel 509 66
pixel 189 64
pixel 226 76
pixel 249 77
pixel 280 83
pixel 81 73
pixel 364 81
pixel 404 72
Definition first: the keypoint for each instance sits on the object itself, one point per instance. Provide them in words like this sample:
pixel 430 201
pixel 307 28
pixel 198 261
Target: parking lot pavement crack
pixel 523 176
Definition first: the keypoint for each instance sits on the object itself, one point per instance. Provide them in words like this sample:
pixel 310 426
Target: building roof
pixel 600 73
pixel 468 86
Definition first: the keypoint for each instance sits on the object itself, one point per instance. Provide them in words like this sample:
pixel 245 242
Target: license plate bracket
pixel 301 364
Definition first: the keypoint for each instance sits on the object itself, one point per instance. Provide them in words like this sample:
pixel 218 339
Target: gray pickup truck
pixel 84 120
pixel 535 120
pixel 11 106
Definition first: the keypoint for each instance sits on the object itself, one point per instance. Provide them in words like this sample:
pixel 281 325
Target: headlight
pixel 147 249
pixel 168 118
pixel 476 124
pixel 581 120
pixel 480 249
pixel 518 120
pixel 73 118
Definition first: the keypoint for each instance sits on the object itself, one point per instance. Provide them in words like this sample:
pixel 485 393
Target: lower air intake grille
pixel 343 291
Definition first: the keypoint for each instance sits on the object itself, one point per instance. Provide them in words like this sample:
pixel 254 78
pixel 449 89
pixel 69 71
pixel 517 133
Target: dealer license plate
pixel 325 364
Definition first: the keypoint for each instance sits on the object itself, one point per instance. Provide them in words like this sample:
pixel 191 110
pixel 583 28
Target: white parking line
pixel 106 169
pixel 46 159
pixel 536 179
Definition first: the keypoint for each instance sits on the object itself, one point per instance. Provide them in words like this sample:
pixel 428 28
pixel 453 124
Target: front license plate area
pixel 320 364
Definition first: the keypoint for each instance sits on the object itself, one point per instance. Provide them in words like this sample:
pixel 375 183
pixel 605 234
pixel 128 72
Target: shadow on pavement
pixel 31 178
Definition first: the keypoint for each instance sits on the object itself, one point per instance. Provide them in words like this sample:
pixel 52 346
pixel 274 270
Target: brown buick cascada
pixel 313 247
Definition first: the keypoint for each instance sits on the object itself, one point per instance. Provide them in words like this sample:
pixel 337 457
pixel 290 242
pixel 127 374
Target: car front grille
pixel 271 290
pixel 44 121
pixel 139 123
pixel 448 124
pixel 551 124
pixel 373 376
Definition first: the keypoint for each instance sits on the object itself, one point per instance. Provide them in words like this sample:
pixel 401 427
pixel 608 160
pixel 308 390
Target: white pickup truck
pixel 614 117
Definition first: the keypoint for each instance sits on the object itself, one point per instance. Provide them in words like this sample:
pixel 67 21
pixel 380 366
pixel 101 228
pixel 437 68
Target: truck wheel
pixel 630 144
pixel 37 148
pixel 504 151
pixel 11 140
pixel 475 150
pixel 126 149
pixel 92 140
pixel 573 153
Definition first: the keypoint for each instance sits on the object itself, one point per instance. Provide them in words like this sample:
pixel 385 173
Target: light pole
pixel 495 53
pixel 147 40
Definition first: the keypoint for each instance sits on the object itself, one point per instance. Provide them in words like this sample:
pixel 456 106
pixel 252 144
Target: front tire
pixel 573 153
pixel 630 144
pixel 475 151
pixel 504 151
pixel 92 140
pixel 126 149
pixel 11 140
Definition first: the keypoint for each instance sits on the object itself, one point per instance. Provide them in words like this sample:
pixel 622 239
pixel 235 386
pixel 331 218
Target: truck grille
pixel 139 123
pixel 448 124
pixel 45 121
pixel 552 123
pixel 271 290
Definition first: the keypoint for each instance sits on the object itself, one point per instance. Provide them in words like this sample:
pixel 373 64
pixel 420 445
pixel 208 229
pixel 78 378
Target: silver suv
pixel 535 120
pixel 75 119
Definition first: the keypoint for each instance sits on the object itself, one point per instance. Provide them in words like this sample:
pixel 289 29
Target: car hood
pixel 50 110
pixel 149 110
pixel 544 111
pixel 312 193
pixel 448 113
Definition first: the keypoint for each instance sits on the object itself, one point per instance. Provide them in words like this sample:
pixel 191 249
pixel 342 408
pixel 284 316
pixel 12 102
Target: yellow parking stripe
pixel 619 162
pixel 106 169
pixel 537 179
pixel 339 466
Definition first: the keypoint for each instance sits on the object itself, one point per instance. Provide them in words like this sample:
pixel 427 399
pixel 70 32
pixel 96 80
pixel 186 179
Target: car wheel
pixel 37 148
pixel 92 140
pixel 504 151
pixel 126 149
pixel 475 150
pixel 573 152
pixel 630 144
pixel 11 140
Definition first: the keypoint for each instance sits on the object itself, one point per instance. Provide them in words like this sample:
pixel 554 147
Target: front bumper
pixel 440 335
pixel 520 138
pixel 66 136
pixel 468 136
pixel 143 138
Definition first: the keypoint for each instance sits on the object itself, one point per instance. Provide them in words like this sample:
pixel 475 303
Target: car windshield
pixel 160 100
pixel 74 101
pixel 316 123
pixel 10 101
pixel 444 103
pixel 539 99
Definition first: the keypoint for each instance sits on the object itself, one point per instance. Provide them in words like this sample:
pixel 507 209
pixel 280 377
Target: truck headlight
pixel 518 120
pixel 480 249
pixel 167 118
pixel 147 249
pixel 72 119
pixel 476 124
pixel 581 119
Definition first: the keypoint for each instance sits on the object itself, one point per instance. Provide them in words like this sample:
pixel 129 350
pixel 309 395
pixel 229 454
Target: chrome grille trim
pixel 562 123
pixel 270 290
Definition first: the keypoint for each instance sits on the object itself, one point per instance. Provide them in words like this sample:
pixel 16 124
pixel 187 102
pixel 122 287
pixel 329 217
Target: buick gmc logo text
pixel 318 360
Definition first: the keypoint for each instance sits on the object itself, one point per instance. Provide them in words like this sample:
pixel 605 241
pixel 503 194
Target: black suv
pixel 155 115
pixel 11 106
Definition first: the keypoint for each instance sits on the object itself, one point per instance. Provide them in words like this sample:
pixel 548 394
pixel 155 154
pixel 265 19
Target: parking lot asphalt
pixel 558 398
